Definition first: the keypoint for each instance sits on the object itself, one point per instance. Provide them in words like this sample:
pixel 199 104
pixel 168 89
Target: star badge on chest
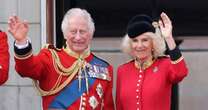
pixel 93 102
pixel 99 90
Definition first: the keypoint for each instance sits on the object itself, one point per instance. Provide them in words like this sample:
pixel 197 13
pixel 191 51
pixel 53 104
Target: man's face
pixel 78 36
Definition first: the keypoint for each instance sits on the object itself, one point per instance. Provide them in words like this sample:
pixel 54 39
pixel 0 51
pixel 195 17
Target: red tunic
pixel 149 89
pixel 4 58
pixel 41 68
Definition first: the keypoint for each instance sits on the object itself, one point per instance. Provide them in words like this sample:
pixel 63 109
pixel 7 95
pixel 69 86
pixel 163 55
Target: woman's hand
pixel 166 30
pixel 165 25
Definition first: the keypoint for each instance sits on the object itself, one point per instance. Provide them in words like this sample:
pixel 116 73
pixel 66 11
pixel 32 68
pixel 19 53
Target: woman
pixel 4 58
pixel 145 82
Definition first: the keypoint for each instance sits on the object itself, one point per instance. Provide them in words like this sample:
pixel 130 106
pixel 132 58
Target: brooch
pixel 155 69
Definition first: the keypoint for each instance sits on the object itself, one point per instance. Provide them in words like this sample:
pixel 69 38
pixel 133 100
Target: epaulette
pixel 101 60
pixel 51 46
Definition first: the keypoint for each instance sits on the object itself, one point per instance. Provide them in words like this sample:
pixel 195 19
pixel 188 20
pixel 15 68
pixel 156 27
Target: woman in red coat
pixel 4 58
pixel 145 82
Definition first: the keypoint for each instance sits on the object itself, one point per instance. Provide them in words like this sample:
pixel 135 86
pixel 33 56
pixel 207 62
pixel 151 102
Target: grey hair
pixel 159 46
pixel 77 12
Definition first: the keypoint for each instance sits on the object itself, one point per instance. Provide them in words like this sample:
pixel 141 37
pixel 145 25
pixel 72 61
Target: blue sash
pixel 71 92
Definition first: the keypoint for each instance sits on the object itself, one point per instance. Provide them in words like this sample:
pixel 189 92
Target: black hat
pixel 139 24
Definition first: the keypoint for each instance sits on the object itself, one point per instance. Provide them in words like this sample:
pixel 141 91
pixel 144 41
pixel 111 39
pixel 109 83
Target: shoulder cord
pixel 62 71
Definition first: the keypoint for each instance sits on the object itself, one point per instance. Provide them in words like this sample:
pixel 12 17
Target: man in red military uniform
pixel 4 58
pixel 71 78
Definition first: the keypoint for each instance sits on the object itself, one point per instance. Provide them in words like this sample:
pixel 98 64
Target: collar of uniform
pixel 85 55
pixel 143 65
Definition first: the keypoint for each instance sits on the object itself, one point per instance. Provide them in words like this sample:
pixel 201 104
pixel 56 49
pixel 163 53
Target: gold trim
pixel 144 65
pixel 178 60
pixel 76 55
pixel 57 87
pixel 22 57
pixel 46 46
pixel 62 71
pixel 60 68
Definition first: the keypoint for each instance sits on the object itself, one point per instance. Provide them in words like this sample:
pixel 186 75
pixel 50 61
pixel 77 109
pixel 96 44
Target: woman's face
pixel 142 47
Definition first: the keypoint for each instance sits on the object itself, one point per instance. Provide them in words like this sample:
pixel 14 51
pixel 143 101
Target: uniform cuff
pixel 23 51
pixel 175 54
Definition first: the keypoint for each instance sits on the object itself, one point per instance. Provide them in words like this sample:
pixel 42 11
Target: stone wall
pixel 18 93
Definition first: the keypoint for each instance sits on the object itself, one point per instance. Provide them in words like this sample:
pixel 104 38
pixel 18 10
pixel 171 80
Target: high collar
pixel 85 55
pixel 144 65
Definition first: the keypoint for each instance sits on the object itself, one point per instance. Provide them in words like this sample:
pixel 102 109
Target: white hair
pixel 77 12
pixel 159 46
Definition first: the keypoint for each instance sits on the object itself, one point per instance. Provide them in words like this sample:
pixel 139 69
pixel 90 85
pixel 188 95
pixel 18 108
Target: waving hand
pixel 18 29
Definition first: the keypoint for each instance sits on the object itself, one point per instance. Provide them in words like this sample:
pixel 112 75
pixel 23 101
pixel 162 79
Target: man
pixel 4 58
pixel 71 78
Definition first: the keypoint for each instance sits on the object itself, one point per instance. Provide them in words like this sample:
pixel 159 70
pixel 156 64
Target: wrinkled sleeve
pixel 29 65
pixel 178 68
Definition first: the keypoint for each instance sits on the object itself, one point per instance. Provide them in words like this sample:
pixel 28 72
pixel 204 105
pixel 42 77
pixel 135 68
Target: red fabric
pixel 4 58
pixel 150 89
pixel 41 68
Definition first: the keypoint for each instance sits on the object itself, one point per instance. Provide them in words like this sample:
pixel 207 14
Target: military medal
pixel 93 102
pixel 86 80
pixel 80 79
pixel 99 72
pixel 95 68
pixel 99 90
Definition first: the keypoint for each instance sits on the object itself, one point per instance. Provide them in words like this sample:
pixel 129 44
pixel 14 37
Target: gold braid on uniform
pixel 144 65
pixel 63 71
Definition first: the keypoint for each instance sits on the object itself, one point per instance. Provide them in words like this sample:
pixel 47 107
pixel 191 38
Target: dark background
pixel 189 17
